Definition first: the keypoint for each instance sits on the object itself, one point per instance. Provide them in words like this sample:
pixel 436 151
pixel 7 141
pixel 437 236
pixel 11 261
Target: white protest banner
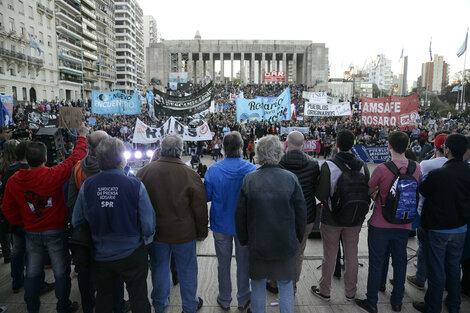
pixel 146 134
pixel 316 97
pixel 287 130
pixel 341 109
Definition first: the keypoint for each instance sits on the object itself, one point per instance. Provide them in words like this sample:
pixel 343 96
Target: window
pixel 49 40
pixel 51 62
pixel 41 37
pixel 40 19
pixel 13 48
pixel 1 19
pixel 31 12
pixel 22 29
pixel 13 90
pixel 52 81
pixel 12 73
pixel 24 93
pixel 22 49
pixel 11 25
pixel 20 7
pixel 43 75
pixel 33 52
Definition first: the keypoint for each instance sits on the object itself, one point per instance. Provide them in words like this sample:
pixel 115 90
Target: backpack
pixel 350 201
pixel 79 175
pixel 401 204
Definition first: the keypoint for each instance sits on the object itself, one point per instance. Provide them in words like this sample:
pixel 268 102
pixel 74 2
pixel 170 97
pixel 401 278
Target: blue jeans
pixel 258 296
pixel 421 255
pixel 223 249
pixel 443 256
pixel 380 241
pixel 38 246
pixel 186 266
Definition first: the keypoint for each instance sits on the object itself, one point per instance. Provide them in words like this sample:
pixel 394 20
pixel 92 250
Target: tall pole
pixel 462 94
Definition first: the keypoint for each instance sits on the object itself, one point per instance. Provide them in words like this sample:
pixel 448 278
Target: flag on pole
pixel 34 44
pixel 327 67
pixel 456 88
pixel 430 51
pixel 463 48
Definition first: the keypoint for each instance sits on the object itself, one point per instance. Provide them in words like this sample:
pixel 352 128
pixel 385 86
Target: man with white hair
pixel 179 199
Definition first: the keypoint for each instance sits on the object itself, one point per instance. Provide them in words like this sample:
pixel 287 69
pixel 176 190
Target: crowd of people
pixel 114 227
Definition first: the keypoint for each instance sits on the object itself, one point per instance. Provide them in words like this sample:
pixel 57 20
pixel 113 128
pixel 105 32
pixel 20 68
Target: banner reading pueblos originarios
pixel 371 154
pixel 115 102
pixel 146 134
pixel 258 109
pixel 340 109
pixel 390 111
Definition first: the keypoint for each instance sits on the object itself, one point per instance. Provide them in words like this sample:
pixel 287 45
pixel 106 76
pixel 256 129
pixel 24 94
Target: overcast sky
pixel 355 31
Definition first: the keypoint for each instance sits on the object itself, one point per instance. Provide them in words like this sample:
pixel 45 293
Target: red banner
pixel 390 111
pixel 274 77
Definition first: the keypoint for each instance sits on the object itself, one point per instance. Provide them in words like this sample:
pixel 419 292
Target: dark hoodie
pixel 307 171
pixel 329 176
pixel 91 167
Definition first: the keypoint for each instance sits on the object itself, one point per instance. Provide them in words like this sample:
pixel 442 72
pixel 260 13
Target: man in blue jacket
pixel 122 222
pixel 223 181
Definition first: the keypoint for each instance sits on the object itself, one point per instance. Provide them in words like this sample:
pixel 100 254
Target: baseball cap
pixel 439 140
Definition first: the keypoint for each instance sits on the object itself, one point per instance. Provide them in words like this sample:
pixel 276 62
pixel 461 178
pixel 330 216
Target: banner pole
pixel 462 95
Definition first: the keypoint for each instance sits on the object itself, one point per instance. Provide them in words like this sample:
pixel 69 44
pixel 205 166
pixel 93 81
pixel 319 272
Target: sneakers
pixel 3 309
pixel 382 288
pixel 414 282
pixel 396 308
pixel 316 291
pixel 200 304
pixel 364 306
pixel 350 299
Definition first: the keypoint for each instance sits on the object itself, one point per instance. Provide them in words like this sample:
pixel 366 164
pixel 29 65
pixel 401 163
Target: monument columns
pixel 294 68
pixel 180 62
pixel 211 65
pixel 263 67
pixel 232 76
pixel 222 76
pixel 190 67
pixel 284 63
pixel 252 68
pixel 242 68
pixel 200 68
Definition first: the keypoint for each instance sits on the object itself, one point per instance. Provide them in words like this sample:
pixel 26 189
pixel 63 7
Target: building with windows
pixel 129 40
pixel 434 75
pixel 402 77
pixel 28 62
pixel 380 73
pixel 71 59
pixel 105 43
pixel 150 36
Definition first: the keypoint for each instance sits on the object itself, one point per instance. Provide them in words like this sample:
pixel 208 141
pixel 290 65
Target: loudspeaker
pixel 52 138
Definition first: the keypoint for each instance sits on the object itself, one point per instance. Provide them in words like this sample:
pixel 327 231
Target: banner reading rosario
pixel 390 111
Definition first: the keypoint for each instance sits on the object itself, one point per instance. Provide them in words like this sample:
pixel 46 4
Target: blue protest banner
pixel 371 154
pixel 271 109
pixel 115 102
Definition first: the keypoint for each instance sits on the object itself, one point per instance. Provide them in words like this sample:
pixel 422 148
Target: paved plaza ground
pixel 305 302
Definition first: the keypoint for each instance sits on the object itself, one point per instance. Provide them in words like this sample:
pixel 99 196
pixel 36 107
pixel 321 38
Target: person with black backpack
pixel 343 186
pixel 394 184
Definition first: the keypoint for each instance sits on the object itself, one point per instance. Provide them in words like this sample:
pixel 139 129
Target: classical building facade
pixel 303 62
pixel 27 72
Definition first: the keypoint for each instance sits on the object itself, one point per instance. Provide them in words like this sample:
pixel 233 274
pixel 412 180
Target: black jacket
pixel 447 196
pixel 307 171
pixel 271 215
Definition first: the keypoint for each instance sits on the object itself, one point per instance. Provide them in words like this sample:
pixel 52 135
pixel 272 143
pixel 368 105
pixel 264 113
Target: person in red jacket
pixel 34 198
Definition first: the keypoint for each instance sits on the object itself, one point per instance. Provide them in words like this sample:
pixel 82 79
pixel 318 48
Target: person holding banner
pixel 270 219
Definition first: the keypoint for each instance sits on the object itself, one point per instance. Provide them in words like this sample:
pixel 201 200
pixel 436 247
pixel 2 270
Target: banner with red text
pixel 274 76
pixel 390 111
pixel 309 146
